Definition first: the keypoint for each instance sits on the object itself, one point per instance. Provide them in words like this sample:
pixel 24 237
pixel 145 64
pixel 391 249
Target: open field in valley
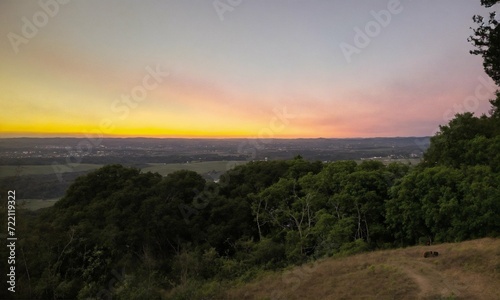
pixel 198 167
pixel 24 173
pixel 23 170
pixel 35 204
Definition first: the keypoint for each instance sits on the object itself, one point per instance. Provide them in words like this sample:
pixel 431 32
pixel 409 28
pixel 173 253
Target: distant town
pixel 130 151
pixel 42 169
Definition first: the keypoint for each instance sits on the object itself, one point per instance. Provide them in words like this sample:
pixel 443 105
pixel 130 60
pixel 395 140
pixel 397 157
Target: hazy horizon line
pixel 205 138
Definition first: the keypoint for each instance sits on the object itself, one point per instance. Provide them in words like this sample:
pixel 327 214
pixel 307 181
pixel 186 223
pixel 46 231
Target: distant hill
pixel 467 270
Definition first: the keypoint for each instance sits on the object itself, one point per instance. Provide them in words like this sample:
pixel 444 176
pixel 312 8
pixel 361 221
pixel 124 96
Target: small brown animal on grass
pixel 430 253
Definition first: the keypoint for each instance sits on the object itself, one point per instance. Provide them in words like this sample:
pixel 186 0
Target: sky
pixel 237 68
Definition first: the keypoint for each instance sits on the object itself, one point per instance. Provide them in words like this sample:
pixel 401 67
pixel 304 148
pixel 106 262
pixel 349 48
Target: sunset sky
pixel 215 69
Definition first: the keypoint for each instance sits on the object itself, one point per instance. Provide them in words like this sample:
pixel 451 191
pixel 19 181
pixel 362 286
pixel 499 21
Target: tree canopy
pixel 486 39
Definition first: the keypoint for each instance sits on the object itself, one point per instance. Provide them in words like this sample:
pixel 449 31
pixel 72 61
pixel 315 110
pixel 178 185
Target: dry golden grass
pixel 467 270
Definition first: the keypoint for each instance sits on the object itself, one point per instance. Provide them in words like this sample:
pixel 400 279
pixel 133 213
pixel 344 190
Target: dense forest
pixel 122 234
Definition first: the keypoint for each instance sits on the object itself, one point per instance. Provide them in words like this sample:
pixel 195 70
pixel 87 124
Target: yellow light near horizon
pixel 187 132
pixel 127 130
pixel 82 131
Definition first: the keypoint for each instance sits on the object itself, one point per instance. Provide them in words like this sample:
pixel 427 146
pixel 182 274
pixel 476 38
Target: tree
pixel 489 3
pixel 486 39
pixel 448 145
pixel 445 204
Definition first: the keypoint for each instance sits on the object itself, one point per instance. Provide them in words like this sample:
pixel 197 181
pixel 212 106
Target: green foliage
pixel 182 236
pixel 117 218
pixel 486 39
pixel 445 204
pixel 268 253
pixel 197 290
pixel 355 247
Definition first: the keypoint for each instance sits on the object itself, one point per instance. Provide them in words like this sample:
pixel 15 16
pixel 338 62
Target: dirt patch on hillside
pixel 431 282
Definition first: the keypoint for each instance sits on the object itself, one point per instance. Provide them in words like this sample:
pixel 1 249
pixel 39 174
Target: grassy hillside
pixel 467 270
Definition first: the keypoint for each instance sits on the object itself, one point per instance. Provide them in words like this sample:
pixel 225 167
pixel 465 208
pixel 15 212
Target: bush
pixel 268 253
pixel 355 247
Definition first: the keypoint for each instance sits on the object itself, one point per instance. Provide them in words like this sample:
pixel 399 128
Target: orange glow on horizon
pixel 234 134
